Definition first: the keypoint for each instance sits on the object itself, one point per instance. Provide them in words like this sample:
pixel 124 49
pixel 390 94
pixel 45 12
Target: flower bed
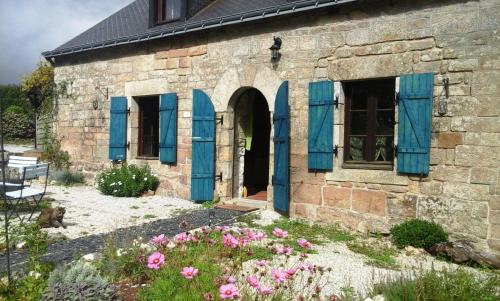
pixel 126 180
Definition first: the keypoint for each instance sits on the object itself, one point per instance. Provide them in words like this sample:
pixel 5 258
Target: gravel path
pixel 90 212
pixel 68 250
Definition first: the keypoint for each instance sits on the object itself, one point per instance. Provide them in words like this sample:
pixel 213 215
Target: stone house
pixel 359 112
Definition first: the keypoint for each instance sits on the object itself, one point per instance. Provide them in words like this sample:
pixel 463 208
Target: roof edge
pixel 188 27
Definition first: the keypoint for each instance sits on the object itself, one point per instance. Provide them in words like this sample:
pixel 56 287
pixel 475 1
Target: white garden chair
pixel 17 194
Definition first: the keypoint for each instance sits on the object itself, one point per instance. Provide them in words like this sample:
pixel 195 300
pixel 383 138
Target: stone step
pixel 246 203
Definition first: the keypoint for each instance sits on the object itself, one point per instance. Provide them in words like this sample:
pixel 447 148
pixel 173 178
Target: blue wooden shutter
pixel 118 128
pixel 168 128
pixel 203 140
pixel 320 130
pixel 414 130
pixel 281 177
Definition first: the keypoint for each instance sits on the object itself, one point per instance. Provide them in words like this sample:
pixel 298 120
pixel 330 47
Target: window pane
pixel 358 100
pixel 172 9
pixel 386 100
pixel 384 149
pixel 358 123
pixel 385 122
pixel 357 148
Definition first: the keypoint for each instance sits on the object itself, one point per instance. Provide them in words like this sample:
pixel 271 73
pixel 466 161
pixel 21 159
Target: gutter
pixel 188 27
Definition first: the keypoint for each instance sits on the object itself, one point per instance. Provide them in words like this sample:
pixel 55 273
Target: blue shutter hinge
pixel 272 180
pixel 128 111
pixel 128 145
pixel 396 99
pixel 336 102
pixel 336 151
pixel 395 151
pixel 218 177
pixel 220 120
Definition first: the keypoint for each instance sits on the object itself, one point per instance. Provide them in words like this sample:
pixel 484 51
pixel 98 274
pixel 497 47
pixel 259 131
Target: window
pixel 149 125
pixel 169 10
pixel 369 124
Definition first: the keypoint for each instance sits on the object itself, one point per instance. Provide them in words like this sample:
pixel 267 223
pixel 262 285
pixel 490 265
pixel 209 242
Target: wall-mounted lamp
pixel 98 96
pixel 275 49
pixel 442 104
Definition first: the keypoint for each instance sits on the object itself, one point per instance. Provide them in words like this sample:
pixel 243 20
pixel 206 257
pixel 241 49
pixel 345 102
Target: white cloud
pixel 29 27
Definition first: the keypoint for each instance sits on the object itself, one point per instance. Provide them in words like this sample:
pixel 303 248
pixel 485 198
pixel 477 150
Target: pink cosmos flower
pixel 181 238
pixel 230 241
pixel 228 291
pixel 260 236
pixel 229 279
pixel 265 290
pixel 159 240
pixel 156 260
pixel 280 233
pixel 290 272
pixel 189 272
pixel 252 280
pixel 279 276
pixel 304 243
pixel 284 250
pixel 261 263
pixel 302 267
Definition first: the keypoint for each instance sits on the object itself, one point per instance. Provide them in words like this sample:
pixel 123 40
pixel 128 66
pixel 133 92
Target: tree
pixel 12 96
pixel 40 88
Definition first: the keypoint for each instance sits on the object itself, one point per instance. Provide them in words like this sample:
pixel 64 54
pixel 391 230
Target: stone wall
pixel 458 40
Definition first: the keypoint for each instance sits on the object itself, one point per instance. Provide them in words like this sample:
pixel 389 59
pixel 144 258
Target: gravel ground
pixel 90 212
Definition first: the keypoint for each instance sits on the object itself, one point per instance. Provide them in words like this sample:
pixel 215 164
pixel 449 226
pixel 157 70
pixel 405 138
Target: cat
pixel 52 217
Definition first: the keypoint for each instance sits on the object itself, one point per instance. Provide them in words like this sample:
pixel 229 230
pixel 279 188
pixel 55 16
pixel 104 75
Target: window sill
pixel 376 166
pixel 146 158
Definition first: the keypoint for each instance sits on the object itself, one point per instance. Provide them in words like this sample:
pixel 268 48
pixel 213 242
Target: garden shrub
pixel 52 151
pixel 418 233
pixel 458 285
pixel 18 125
pixel 66 177
pixel 15 109
pixel 126 180
pixel 78 282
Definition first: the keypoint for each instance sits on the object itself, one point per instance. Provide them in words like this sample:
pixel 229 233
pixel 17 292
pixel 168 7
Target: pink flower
pixel 265 290
pixel 230 241
pixel 181 238
pixel 304 243
pixel 228 291
pixel 302 267
pixel 159 240
pixel 252 280
pixel 189 272
pixel 290 272
pixel 260 236
pixel 261 263
pixel 156 260
pixel 280 233
pixel 229 279
pixel 284 250
pixel 278 276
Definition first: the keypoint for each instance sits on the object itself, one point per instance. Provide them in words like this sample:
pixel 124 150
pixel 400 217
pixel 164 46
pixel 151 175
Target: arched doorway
pixel 252 129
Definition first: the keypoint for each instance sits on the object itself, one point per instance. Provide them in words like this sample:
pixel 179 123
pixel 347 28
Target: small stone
pixel 91 257
pixel 21 245
pixel 34 274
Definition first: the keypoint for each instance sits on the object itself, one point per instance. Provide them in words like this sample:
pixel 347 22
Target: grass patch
pixel 66 177
pixel 249 220
pixel 181 211
pixel 444 285
pixel 316 234
pixel 379 255
pixel 149 216
pixel 134 207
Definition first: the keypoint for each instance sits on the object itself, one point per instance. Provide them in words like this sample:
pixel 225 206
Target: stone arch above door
pixel 261 78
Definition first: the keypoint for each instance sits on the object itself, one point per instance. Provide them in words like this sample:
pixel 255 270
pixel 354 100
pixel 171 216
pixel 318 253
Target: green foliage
pixel 18 125
pixel 66 177
pixel 418 233
pixel 15 109
pixel 78 282
pixel 53 153
pixel 126 180
pixel 447 285
pixel 11 95
pixel 380 256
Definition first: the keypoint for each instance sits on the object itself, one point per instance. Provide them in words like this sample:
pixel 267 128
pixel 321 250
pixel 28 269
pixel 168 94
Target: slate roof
pixel 131 23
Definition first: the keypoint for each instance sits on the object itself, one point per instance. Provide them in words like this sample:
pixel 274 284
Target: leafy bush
pixel 67 177
pixel 418 233
pixel 18 125
pixel 126 180
pixel 78 282
pixel 15 109
pixel 457 285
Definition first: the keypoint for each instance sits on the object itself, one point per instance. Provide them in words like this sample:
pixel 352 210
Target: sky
pixel 29 27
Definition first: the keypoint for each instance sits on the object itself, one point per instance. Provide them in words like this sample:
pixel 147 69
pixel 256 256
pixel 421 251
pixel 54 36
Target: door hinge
pixel 220 120
pixel 128 111
pixel 272 180
pixel 395 151
pixel 336 151
pixel 336 102
pixel 218 177
pixel 128 145
pixel 396 99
